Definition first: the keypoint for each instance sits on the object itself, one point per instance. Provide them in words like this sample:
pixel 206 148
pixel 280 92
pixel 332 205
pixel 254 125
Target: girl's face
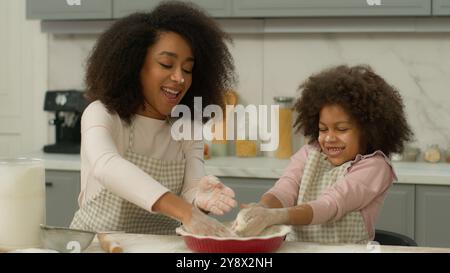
pixel 339 135
pixel 166 74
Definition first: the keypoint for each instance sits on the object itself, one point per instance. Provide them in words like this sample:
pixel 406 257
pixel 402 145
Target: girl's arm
pixel 285 191
pixel 269 200
pixel 253 220
pixel 362 187
pixel 300 215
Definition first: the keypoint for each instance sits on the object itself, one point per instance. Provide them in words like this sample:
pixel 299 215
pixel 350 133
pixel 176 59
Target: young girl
pixel 334 187
pixel 134 176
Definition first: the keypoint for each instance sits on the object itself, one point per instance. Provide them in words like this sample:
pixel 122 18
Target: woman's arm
pixel 194 170
pixel 194 221
pixel 105 164
pixel 173 206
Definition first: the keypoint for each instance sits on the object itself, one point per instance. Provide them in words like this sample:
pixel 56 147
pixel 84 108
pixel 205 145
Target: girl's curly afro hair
pixel 114 66
pixel 376 106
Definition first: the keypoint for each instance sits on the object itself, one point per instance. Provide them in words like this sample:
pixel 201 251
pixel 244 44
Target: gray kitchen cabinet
pixel 433 216
pixel 123 8
pixel 441 7
pixel 69 9
pixel 397 213
pixel 108 9
pixel 216 8
pixel 62 190
pixel 314 8
pixel 247 190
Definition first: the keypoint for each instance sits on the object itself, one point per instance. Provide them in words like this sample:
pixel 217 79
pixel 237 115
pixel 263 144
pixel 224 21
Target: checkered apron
pixel 320 174
pixel 109 212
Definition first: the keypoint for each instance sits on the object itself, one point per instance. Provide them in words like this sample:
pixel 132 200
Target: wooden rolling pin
pixel 4 250
pixel 108 244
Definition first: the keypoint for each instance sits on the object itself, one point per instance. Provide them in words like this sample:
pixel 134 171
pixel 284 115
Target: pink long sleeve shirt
pixel 363 188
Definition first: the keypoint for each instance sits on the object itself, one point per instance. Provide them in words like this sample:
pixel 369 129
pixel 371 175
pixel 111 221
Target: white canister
pixel 22 202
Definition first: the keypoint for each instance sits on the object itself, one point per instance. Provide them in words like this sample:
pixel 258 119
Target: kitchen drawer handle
pixel 49 184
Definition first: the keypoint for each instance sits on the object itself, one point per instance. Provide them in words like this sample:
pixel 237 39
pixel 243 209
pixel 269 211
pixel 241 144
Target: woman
pixel 134 176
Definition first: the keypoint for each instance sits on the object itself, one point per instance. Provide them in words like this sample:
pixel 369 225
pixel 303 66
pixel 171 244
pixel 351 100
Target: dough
pixel 241 221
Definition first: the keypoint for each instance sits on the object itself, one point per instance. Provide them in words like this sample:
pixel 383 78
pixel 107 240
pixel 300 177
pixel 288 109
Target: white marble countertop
pixel 146 243
pixel 60 162
pixel 271 168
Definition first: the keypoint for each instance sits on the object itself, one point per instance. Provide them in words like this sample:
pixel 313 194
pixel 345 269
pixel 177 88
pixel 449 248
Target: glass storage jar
pixel 284 149
pixel 247 142
pixel 432 154
pixel 22 202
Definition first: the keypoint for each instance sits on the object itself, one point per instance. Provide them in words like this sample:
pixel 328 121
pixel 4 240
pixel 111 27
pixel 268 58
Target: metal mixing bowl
pixel 65 239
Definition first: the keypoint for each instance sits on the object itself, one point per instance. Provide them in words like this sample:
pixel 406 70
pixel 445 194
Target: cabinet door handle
pixel 49 184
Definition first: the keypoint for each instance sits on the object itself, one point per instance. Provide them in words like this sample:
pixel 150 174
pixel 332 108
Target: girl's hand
pixel 201 224
pixel 253 219
pixel 214 196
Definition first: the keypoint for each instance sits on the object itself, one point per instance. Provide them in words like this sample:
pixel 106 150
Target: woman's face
pixel 166 74
pixel 339 135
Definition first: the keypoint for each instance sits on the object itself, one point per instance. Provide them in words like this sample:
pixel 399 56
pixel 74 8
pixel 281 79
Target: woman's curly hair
pixel 376 106
pixel 114 65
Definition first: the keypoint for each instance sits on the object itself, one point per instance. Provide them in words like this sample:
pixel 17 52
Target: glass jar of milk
pixel 22 202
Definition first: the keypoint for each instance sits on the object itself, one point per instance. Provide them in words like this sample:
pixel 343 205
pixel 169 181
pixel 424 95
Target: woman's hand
pixel 213 196
pixel 254 218
pixel 201 224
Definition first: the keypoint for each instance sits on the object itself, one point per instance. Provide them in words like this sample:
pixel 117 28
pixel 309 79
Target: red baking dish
pixel 269 241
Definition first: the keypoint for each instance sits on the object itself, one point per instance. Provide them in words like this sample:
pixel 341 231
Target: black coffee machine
pixel 68 106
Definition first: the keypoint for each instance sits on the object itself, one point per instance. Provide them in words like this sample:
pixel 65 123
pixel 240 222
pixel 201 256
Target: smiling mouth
pixel 170 94
pixel 334 151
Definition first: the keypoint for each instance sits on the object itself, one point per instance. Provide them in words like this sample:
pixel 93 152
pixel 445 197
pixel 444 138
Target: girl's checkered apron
pixel 319 174
pixel 109 212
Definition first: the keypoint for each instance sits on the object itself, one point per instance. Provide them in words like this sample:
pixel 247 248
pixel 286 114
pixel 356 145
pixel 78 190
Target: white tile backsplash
pixel 67 60
pixel 247 51
pixel 418 65
pixel 269 65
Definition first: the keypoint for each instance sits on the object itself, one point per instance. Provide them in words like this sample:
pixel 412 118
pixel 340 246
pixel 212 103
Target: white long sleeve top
pixel 104 141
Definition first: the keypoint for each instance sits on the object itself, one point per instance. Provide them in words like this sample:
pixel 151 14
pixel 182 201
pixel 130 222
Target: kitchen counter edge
pixel 271 168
